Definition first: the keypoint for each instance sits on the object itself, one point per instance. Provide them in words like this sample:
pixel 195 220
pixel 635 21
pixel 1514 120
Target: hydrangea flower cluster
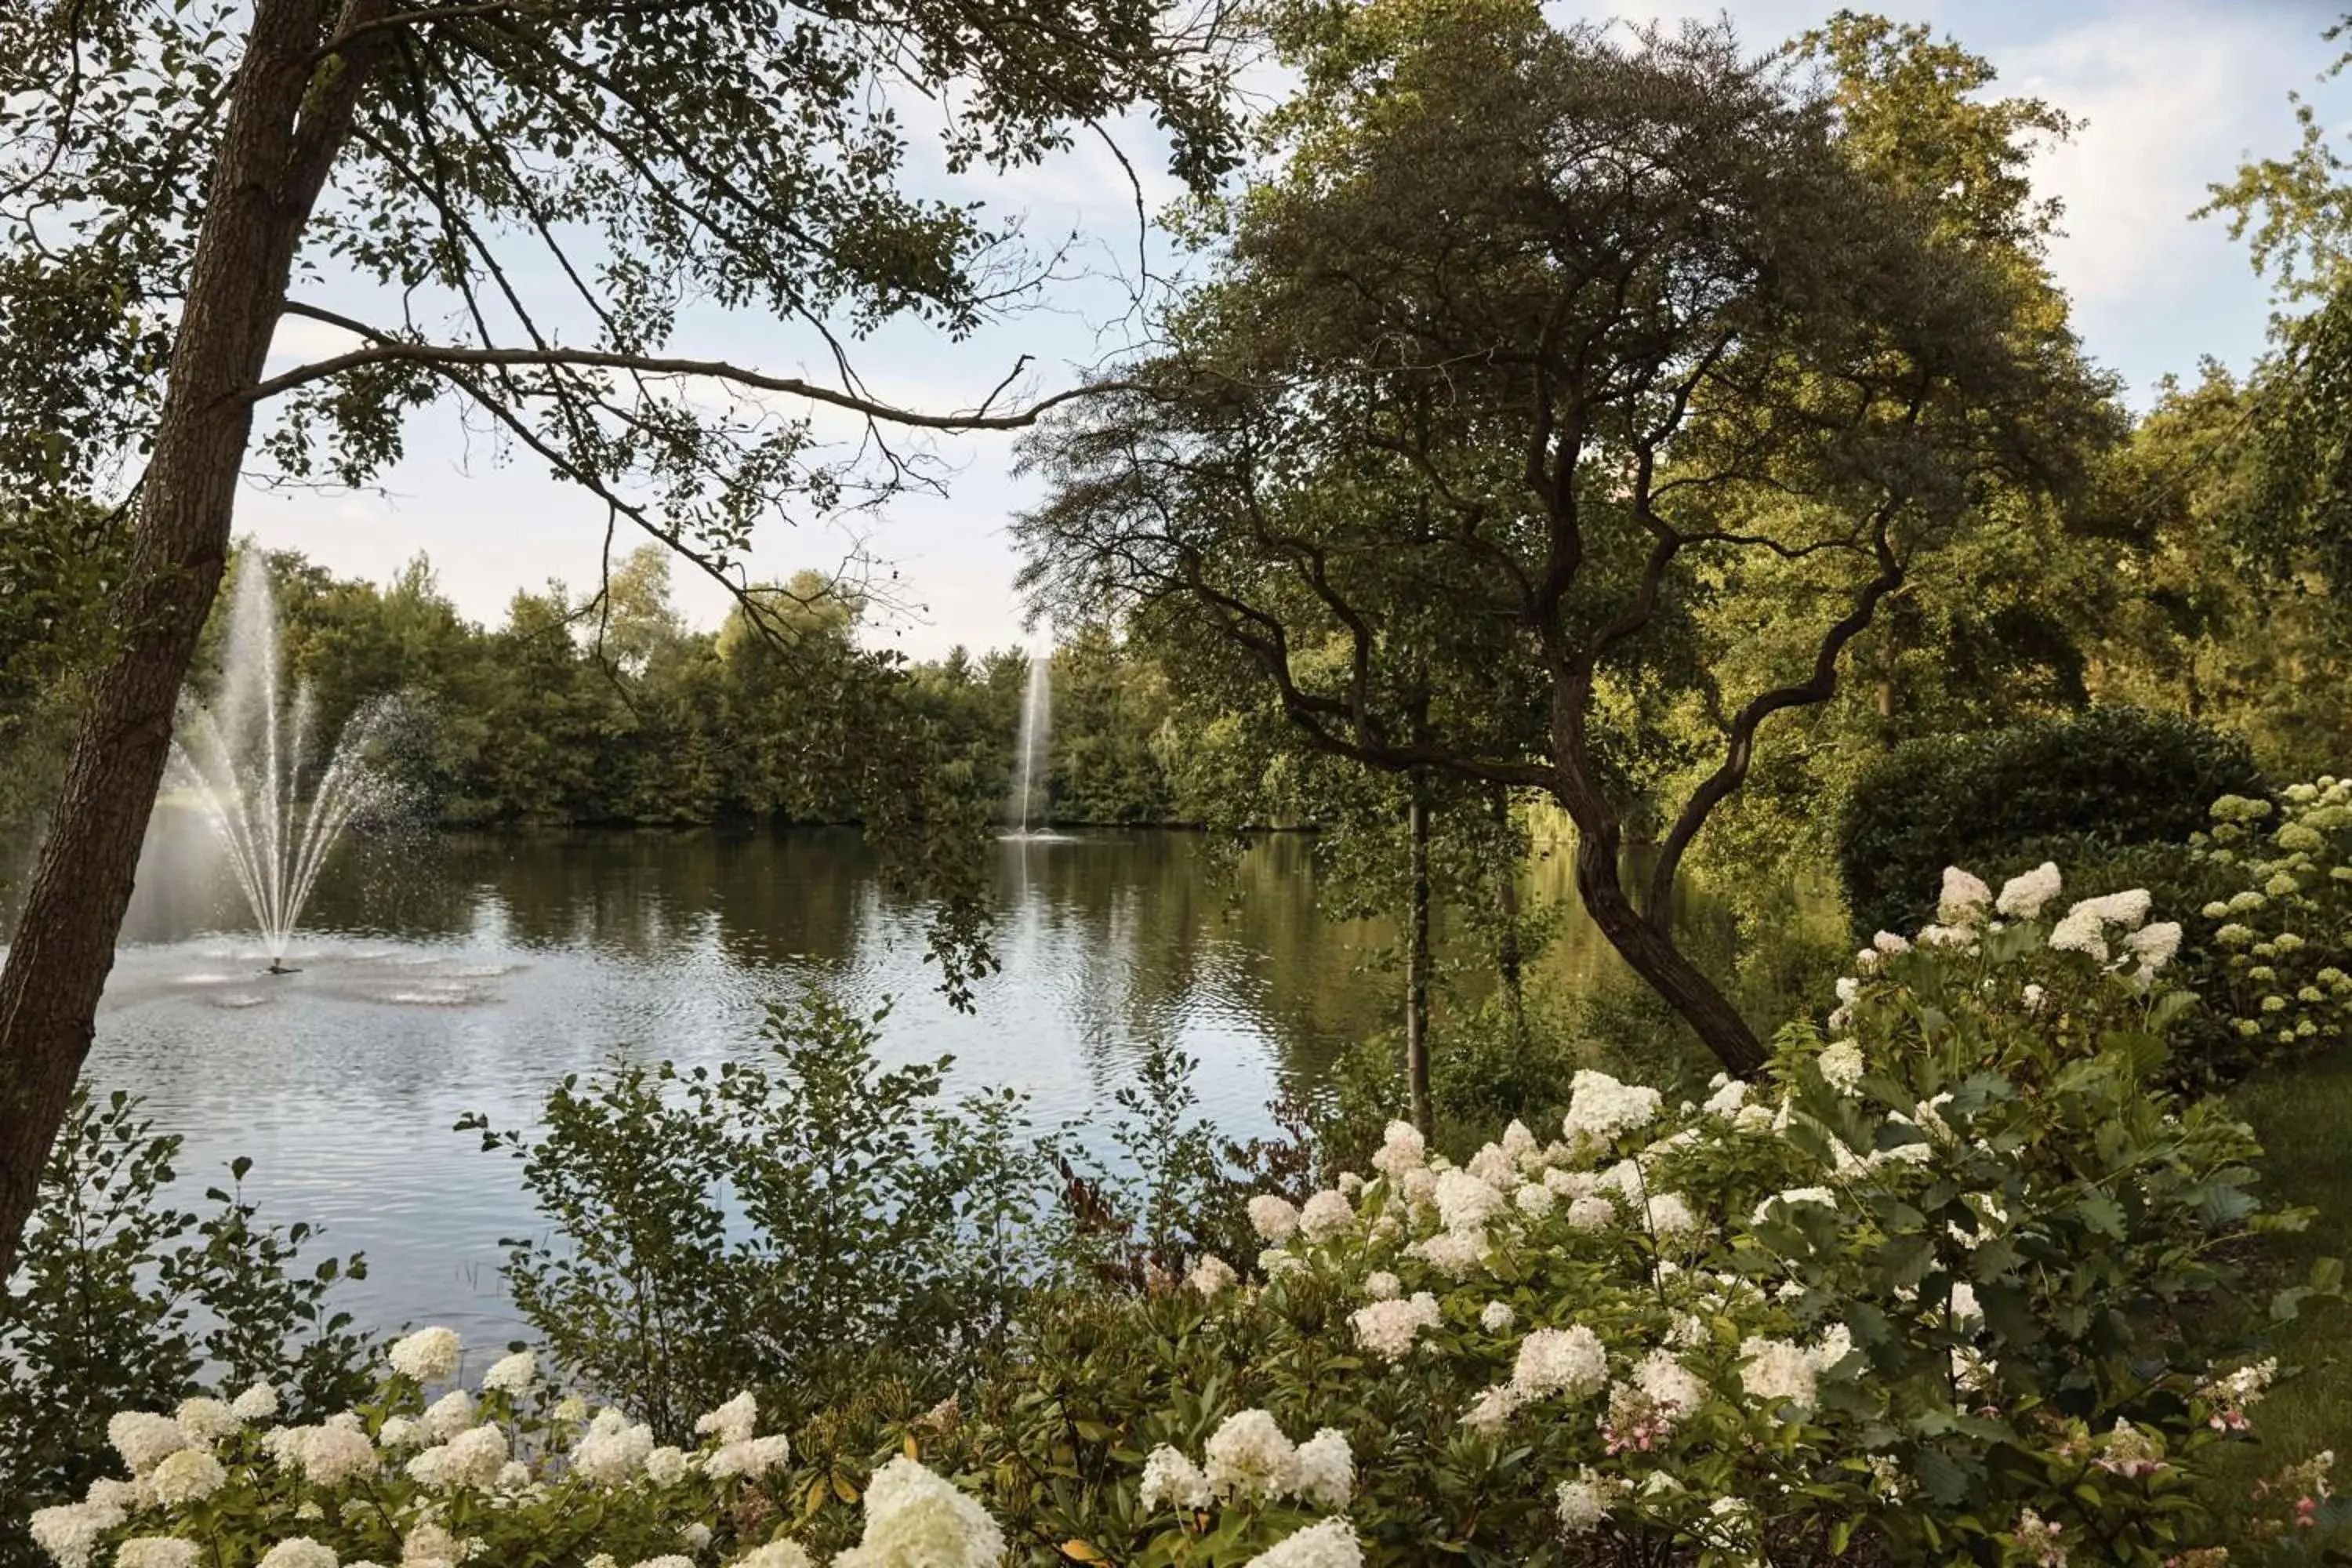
pixel 508 1473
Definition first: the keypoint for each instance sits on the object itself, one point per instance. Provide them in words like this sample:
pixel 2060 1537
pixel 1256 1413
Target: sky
pixel 2174 93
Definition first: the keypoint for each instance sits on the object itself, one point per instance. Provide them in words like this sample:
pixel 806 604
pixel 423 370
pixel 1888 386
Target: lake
pixel 456 974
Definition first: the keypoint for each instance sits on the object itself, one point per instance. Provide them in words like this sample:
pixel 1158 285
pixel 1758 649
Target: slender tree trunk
pixel 1645 943
pixel 262 185
pixel 1416 964
pixel 1506 900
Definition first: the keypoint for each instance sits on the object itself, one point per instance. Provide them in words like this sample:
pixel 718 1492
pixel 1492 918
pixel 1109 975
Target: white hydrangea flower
pixel 156 1551
pixel 1570 1184
pixel 451 1413
pixel 1325 1470
pixel 145 1439
pixel 1248 1457
pixel 1534 1200
pixel 695 1536
pixel 329 1456
pixel 1402 1149
pixel 2081 931
pixel 1600 1107
pixel 2023 895
pixel 1625 1179
pixel 428 1355
pixel 1274 1262
pixel 611 1452
pixel 472 1459
pixel 1464 1203
pixel 1591 1212
pixel 1518 1139
pixel 258 1403
pixel 1388 1328
pixel 751 1459
pixel 1670 1385
pixel 1211 1276
pixel 1274 1219
pixel 775 1554
pixel 1491 1408
pixel 914 1518
pixel 1842 1065
pixel 207 1420
pixel 1328 1543
pixel 1418 1185
pixel 1496 1316
pixel 188 1475
pixel 1567 1362
pixel 1455 1253
pixel 572 1407
pixel 1963 900
pixel 1171 1478
pixel 733 1422
pixel 400 1432
pixel 1776 1371
pixel 1584 1502
pixel 70 1532
pixel 665 1465
pixel 1351 1185
pixel 2155 945
pixel 1728 1097
pixel 1670 1217
pixel 300 1552
pixel 429 1543
pixel 1382 1286
pixel 2126 909
pixel 512 1374
pixel 1326 1215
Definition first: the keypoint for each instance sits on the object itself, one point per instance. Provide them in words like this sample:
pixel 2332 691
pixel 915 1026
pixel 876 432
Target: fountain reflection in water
pixel 251 759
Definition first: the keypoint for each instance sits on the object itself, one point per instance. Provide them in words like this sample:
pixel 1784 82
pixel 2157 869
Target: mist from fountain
pixel 1036 729
pixel 252 760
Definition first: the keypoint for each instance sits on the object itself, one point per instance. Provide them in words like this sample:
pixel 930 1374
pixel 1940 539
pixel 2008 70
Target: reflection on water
pixel 468 973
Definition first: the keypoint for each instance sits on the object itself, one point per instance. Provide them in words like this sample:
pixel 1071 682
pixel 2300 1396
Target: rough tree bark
pixel 285 122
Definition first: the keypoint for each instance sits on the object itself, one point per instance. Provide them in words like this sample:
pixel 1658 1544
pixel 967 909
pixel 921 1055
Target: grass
pixel 2302 1114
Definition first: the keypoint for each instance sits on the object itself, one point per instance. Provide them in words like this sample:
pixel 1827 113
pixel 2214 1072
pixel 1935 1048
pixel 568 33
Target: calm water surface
pixel 468 974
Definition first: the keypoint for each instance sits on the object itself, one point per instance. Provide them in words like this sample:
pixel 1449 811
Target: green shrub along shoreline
pixel 1974 1274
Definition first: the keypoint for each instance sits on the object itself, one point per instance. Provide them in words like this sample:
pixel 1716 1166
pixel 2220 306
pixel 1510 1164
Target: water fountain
pixel 1036 725
pixel 251 759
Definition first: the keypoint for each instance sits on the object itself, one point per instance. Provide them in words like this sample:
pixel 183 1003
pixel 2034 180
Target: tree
pixel 1529 342
pixel 532 188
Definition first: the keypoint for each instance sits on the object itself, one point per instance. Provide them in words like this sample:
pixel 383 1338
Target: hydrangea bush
pixel 2278 966
pixel 429 1475
pixel 1957 1284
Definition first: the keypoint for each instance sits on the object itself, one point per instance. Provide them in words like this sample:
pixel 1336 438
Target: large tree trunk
pixel 261 188
pixel 1649 948
pixel 1416 960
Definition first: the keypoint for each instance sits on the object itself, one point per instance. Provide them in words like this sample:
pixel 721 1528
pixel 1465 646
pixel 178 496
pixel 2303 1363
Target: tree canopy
pixel 1531 345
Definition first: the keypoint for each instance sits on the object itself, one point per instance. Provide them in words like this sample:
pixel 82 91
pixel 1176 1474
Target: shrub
pixel 124 1301
pixel 509 1473
pixel 2267 912
pixel 808 1221
pixel 1957 1284
pixel 2121 775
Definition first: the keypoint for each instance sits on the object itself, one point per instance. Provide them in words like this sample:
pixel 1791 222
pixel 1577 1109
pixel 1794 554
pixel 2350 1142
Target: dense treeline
pixel 610 708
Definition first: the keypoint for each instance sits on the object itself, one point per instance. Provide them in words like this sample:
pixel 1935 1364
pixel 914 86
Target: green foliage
pixel 57 564
pixel 124 1301
pixel 2126 776
pixel 791 1222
